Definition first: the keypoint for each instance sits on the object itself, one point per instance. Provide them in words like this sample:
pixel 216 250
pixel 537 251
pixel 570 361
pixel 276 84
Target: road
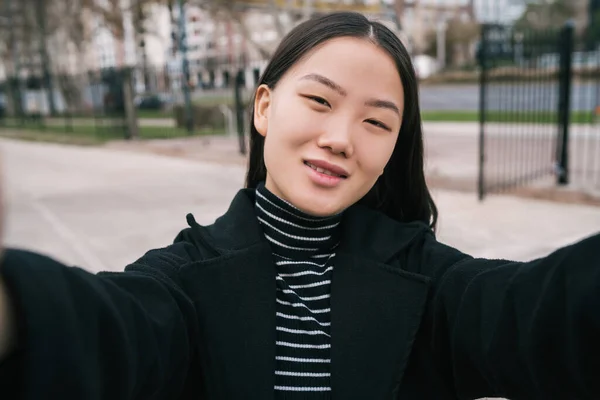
pixel 516 97
pixel 102 208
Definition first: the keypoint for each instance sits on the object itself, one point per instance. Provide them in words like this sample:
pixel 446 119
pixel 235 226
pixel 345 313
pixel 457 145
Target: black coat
pixel 411 319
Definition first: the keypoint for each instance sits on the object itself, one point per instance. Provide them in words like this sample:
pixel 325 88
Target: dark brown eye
pixel 319 100
pixel 378 124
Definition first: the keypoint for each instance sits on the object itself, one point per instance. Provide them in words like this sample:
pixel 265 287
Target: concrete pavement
pixel 101 208
pixel 452 154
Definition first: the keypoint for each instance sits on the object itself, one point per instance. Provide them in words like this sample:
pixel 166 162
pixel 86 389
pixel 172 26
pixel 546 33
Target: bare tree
pixel 111 14
pixel 20 44
pixel 546 14
pixel 237 12
pixel 460 37
pixel 68 43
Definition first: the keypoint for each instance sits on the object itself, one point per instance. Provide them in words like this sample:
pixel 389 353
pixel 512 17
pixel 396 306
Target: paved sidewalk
pixel 451 156
pixel 101 208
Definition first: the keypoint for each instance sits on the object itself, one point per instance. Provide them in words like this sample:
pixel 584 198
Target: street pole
pixel 140 31
pixel 47 77
pixel 189 121
pixel 17 90
pixel 441 44
pixel 564 101
pixel 483 75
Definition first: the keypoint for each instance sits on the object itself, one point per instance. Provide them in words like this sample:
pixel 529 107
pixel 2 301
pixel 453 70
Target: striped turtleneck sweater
pixel 304 249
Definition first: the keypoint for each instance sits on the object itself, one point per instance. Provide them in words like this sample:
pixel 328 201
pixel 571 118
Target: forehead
pixel 352 63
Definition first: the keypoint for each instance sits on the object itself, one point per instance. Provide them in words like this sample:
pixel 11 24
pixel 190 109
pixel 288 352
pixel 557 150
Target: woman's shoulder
pixel 432 257
pixel 414 243
pixel 192 244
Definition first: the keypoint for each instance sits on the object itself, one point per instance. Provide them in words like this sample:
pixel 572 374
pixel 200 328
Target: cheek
pixel 272 152
pixel 294 130
pixel 283 143
pixel 374 154
pixel 288 117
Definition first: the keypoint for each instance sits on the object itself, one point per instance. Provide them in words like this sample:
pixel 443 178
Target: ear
pixel 262 102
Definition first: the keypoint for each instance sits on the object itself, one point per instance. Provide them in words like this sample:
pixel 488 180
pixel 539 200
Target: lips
pixel 326 168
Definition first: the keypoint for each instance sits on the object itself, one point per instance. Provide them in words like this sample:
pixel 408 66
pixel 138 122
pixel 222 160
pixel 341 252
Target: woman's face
pixel 330 125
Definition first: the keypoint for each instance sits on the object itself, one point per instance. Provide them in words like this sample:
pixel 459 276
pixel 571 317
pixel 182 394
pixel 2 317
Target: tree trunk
pixel 130 111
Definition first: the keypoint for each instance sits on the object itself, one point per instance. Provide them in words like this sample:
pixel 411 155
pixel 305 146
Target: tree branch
pixel 238 18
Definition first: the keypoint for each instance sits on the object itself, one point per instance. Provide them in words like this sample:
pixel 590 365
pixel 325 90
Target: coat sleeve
pixel 519 330
pixel 127 335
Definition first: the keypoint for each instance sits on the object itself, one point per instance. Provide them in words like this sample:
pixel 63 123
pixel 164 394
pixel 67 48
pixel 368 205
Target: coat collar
pixel 376 305
pixel 366 232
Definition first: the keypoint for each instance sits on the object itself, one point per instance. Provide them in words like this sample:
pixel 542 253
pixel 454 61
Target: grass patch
pixel 215 100
pixel 228 98
pixel 450 116
pixel 155 114
pixel 86 134
pixel 39 136
pixel 159 132
pixel 535 117
pixel 538 117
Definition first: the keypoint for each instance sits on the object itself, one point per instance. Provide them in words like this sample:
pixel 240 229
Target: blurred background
pixel 117 117
pixel 166 68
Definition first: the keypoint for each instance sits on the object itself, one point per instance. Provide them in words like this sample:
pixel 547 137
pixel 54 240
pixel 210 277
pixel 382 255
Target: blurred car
pixel 2 107
pixel 154 101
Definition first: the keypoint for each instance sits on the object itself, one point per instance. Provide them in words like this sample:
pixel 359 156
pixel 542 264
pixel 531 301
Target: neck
pixel 292 232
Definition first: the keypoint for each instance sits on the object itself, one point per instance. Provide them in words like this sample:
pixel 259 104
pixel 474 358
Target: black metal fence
pixel 89 104
pixel 96 103
pixel 220 90
pixel 584 133
pixel 539 105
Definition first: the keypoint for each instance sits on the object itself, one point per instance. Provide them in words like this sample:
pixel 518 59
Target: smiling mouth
pixel 323 170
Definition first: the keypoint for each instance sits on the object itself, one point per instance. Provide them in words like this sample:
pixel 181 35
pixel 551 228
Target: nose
pixel 338 140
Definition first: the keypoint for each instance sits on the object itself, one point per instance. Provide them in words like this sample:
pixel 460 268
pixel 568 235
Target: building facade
pixel 419 18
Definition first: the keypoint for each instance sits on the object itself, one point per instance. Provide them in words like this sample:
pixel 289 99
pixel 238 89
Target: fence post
pixel 47 77
pixel 68 117
pixel 131 121
pixel 185 67
pixel 239 110
pixel 483 78
pixel 565 77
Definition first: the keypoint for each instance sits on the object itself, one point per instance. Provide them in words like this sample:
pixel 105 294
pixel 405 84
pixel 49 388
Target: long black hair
pixel 401 191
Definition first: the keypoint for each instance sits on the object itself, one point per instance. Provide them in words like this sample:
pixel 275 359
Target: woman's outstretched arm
pixel 7 322
pixel 126 335
pixel 519 330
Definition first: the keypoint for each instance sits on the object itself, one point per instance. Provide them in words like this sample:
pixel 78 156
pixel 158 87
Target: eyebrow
pixel 383 104
pixel 332 85
pixel 325 81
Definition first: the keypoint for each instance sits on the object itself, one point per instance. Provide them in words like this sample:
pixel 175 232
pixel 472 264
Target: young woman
pixel 323 279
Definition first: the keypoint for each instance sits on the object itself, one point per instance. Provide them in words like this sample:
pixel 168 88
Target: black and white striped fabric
pixel 304 250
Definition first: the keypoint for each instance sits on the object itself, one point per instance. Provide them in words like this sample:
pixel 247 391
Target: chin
pixel 321 212
pixel 313 205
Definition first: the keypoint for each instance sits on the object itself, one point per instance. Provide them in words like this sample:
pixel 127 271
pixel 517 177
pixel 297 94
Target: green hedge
pixel 204 117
